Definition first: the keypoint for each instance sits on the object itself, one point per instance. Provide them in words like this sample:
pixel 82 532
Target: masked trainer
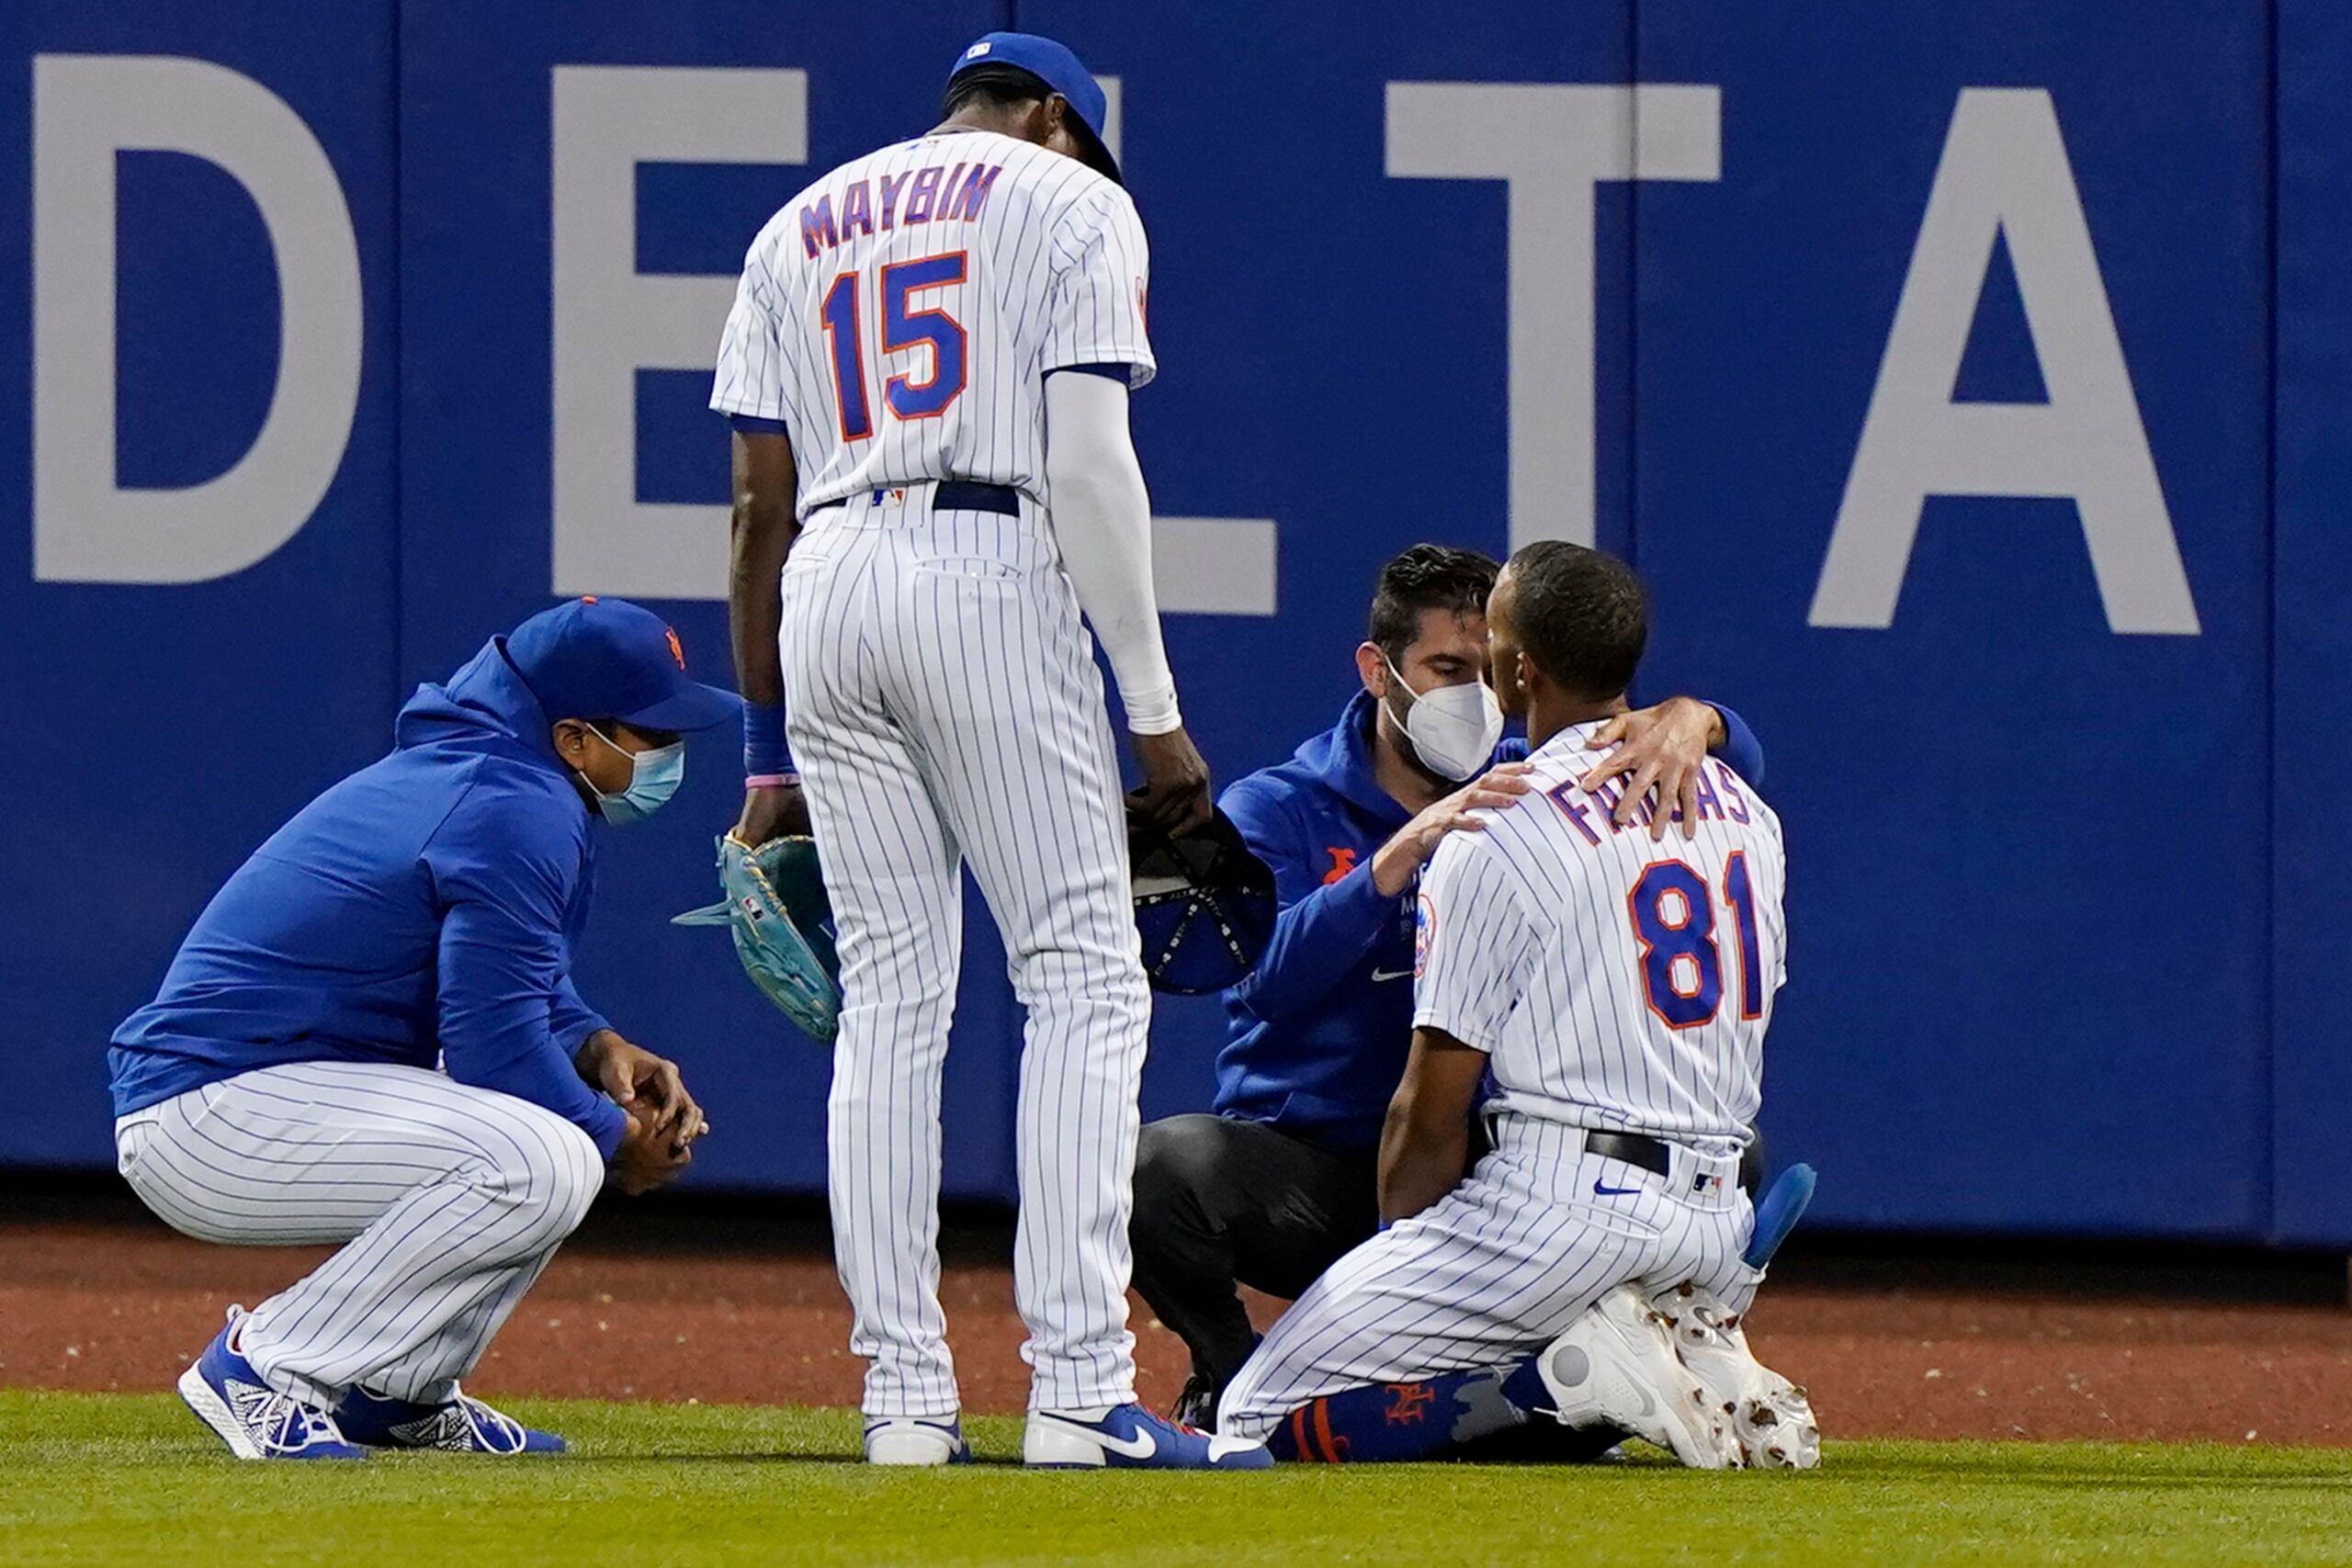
pixel 283 1087
pixel 1279 1180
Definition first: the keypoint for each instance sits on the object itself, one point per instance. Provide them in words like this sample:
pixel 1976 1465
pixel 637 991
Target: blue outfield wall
pixel 2312 629
pixel 1967 388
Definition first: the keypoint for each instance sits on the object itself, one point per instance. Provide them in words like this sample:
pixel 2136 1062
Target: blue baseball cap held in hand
pixel 609 659
pixel 1057 67
pixel 1204 905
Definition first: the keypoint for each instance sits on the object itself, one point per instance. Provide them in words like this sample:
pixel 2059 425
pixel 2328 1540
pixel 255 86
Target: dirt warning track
pixel 95 1296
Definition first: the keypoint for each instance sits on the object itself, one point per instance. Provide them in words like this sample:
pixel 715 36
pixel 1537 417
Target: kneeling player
pixel 1619 989
pixel 283 1089
pixel 1275 1184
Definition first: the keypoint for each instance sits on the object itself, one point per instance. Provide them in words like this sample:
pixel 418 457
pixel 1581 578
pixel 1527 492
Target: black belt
pixel 1632 1148
pixel 957 495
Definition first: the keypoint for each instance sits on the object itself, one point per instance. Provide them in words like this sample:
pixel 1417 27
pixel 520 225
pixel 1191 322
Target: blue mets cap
pixel 609 659
pixel 1057 67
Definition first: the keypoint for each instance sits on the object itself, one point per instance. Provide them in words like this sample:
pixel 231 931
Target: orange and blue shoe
pixel 1128 1437
pixel 464 1424
pixel 253 1418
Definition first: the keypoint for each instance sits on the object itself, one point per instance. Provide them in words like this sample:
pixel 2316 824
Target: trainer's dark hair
pixel 1426 577
pixel 1581 616
pixel 996 86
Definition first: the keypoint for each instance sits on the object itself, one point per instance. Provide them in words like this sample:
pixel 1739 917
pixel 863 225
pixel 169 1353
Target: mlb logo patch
pixel 978 49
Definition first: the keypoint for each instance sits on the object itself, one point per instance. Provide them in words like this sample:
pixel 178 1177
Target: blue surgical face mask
pixel 654 777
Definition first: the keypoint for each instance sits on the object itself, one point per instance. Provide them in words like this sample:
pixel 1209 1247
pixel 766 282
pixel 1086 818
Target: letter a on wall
pixel 2004 174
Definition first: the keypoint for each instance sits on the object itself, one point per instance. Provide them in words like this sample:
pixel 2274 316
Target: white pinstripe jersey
pixel 1615 981
pixel 898 315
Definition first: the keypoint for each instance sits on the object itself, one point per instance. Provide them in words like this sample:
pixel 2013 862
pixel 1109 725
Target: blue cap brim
pixel 693 706
pixel 1096 155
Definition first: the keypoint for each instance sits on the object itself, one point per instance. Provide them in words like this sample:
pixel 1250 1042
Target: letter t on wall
pixel 1552 143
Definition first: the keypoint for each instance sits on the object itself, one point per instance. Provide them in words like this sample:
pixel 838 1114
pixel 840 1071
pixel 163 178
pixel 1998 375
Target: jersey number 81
pixel 1673 911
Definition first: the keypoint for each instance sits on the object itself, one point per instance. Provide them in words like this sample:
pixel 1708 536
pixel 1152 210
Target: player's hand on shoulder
pixel 1659 750
pixel 778 811
pixel 1175 791
pixel 1499 787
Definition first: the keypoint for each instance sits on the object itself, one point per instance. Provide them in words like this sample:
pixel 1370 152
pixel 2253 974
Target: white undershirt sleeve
pixel 1101 517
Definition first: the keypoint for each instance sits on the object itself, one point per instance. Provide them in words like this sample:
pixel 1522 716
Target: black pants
pixel 1221 1203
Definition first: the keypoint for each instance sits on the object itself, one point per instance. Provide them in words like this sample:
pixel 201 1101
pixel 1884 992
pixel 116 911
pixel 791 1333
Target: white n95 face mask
pixel 1453 729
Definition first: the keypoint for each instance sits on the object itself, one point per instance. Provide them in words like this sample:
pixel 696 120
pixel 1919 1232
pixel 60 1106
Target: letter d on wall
pixel 86 528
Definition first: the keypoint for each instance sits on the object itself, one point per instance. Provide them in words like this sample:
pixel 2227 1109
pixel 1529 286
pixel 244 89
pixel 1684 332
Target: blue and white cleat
pixel 253 1418
pixel 463 1425
pixel 1131 1438
pixel 910 1440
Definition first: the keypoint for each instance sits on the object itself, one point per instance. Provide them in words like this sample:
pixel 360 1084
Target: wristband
pixel 771 781
pixel 764 751
pixel 1152 711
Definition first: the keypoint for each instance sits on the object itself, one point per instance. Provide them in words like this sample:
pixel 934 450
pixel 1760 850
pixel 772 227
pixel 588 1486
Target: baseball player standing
pixel 1619 989
pixel 927 367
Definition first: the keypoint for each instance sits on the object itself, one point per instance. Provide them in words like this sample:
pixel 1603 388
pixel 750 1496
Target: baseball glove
pixel 783 924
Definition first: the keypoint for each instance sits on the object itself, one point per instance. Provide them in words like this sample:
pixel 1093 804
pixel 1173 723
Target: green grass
pixel 123 1479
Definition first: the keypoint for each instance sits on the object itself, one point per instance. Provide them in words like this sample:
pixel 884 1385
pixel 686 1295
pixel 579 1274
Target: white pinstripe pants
pixel 1496 1270
pixel 452 1200
pixel 944 708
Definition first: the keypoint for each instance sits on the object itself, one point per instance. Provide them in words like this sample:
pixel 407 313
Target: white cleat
pixel 1616 1365
pixel 906 1441
pixel 1771 1417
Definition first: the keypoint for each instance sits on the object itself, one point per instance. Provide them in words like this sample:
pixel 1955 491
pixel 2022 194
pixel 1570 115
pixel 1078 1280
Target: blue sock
pixel 1523 1389
pixel 1393 1421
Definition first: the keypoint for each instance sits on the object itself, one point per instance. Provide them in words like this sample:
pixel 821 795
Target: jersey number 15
pixel 1673 911
pixel 903 328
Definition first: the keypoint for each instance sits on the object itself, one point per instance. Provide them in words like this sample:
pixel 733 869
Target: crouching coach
pixel 1278 1179
pixel 283 1087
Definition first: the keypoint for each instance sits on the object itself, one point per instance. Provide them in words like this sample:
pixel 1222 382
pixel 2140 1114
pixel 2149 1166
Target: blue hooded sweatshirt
pixel 1319 1033
pixel 424 907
